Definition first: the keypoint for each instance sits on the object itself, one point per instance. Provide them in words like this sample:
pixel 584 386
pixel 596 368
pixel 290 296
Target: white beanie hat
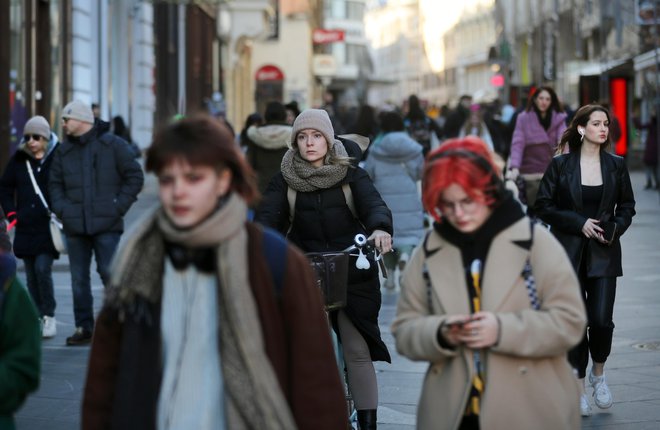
pixel 78 110
pixel 37 125
pixel 316 119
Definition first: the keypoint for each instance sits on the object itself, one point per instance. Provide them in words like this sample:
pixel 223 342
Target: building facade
pixel 396 46
pixel 583 48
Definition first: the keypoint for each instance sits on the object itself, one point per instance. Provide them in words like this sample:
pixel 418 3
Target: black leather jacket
pixel 559 203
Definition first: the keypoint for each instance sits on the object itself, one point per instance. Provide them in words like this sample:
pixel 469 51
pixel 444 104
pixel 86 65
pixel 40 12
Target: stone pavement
pixel 633 369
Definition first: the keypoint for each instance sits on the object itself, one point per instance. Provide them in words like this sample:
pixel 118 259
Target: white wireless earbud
pixel 581 131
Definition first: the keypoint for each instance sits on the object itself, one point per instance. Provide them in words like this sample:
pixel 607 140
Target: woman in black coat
pixel 25 211
pixel 586 197
pixel 315 168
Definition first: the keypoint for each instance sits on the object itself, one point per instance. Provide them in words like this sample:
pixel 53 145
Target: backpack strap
pixel 348 196
pixel 274 247
pixel 291 198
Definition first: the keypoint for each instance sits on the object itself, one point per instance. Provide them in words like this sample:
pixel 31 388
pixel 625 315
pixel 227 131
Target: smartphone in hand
pixel 609 230
pixel 458 323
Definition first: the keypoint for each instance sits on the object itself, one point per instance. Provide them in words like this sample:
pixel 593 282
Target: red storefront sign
pixel 269 73
pixel 321 36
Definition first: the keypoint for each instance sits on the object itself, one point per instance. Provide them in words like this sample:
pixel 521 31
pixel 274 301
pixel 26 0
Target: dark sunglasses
pixel 36 137
pixel 65 120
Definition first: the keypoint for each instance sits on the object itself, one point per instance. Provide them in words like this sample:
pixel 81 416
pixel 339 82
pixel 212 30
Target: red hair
pixel 466 162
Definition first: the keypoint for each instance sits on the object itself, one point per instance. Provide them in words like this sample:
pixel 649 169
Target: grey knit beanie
pixel 37 125
pixel 316 119
pixel 78 110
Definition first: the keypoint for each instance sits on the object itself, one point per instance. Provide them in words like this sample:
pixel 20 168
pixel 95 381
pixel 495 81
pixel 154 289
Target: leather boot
pixel 367 419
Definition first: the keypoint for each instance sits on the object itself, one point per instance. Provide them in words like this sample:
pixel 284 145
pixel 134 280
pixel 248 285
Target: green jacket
pixel 20 345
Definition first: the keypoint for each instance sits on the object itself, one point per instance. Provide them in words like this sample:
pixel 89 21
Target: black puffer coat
pixel 94 180
pixel 17 196
pixel 324 222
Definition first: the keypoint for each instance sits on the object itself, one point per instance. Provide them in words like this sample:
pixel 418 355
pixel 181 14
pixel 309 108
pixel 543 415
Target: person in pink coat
pixel 535 140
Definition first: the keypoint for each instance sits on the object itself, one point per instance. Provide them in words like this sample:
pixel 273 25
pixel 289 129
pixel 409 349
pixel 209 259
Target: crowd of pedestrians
pixel 204 308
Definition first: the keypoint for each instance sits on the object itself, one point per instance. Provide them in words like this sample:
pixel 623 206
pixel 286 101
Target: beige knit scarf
pixel 254 399
pixel 300 175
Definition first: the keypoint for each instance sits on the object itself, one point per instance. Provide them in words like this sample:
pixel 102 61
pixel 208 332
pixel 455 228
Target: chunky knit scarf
pixel 300 175
pixel 254 399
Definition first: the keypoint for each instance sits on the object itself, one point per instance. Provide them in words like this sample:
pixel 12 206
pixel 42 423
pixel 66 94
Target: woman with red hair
pixel 491 301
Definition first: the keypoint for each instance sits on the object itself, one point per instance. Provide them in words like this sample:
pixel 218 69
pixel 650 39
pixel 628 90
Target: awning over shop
pixel 645 60
pixel 613 67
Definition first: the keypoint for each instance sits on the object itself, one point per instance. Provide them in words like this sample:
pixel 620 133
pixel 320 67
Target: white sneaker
pixel 602 393
pixel 585 407
pixel 49 328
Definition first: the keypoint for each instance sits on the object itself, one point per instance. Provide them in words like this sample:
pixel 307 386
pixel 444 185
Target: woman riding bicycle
pixel 318 168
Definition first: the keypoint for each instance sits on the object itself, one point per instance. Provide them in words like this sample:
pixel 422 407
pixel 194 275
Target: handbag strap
pixel 36 187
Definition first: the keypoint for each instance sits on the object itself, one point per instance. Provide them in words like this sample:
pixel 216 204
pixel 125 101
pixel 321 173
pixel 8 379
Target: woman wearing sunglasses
pixel 491 302
pixel 25 176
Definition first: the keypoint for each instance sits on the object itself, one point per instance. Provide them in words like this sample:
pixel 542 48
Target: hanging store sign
pixel 321 36
pixel 324 65
pixel 269 73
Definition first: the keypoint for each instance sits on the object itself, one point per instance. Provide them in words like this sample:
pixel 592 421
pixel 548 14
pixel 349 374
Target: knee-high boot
pixel 367 419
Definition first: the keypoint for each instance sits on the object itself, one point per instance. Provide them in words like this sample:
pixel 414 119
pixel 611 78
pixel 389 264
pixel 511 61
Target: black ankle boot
pixel 367 419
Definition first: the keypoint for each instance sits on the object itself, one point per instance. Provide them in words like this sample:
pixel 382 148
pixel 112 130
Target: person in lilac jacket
pixel 535 140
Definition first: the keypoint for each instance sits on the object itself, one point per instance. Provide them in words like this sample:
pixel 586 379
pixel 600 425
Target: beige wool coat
pixel 528 381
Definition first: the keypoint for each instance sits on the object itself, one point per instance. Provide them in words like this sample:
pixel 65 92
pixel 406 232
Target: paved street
pixel 633 369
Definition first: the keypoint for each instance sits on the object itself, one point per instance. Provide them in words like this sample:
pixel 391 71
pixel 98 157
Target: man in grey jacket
pixel 94 180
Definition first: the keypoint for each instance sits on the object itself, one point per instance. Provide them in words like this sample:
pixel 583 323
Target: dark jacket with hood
pixel 324 222
pixel 21 202
pixel 559 203
pixel 94 180
pixel 266 146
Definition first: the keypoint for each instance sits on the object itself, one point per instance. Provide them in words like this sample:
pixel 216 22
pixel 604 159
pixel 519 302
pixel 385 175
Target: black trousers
pixel 598 295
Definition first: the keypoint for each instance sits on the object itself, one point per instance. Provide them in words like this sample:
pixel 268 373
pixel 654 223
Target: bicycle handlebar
pixel 360 241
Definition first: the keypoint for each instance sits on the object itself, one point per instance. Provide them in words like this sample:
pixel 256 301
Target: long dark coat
pixel 559 203
pixel 17 195
pixel 323 222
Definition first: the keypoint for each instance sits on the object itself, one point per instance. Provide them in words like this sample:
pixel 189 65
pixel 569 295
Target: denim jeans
pixel 39 277
pixel 80 249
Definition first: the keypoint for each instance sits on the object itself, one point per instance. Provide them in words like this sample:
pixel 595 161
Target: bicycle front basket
pixel 331 270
